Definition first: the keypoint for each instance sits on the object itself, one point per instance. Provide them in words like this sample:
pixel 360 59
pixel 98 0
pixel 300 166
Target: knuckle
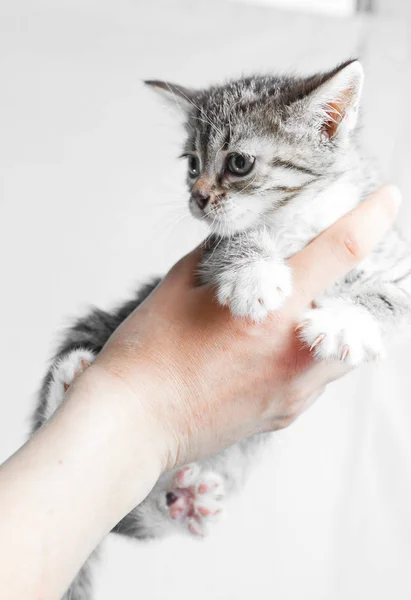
pixel 297 400
pixel 296 397
pixel 389 199
pixel 281 423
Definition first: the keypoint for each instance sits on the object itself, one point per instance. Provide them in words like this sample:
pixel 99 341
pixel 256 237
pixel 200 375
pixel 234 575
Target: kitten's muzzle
pixel 201 198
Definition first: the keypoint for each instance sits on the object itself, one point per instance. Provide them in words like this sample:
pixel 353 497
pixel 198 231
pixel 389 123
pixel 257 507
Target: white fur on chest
pixel 303 218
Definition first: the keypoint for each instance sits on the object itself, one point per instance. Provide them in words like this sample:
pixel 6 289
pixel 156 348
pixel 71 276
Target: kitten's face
pixel 235 185
pixel 256 144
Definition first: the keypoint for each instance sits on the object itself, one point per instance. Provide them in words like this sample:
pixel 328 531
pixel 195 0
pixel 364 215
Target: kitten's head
pixel 255 144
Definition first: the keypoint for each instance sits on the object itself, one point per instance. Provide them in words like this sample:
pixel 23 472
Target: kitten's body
pixel 306 175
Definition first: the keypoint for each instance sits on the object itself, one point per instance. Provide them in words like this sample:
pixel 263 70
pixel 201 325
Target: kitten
pixel 272 162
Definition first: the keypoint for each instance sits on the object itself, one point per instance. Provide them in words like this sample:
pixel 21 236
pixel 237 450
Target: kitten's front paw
pixel 338 329
pixel 255 289
pixel 196 498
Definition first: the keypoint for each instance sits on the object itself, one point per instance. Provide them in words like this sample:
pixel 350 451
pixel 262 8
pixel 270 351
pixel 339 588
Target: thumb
pixel 342 246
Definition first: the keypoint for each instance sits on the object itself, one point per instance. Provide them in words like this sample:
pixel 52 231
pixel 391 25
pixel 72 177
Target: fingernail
pixel 395 194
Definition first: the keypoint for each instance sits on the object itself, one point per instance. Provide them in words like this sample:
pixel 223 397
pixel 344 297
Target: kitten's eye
pixel 193 166
pixel 239 164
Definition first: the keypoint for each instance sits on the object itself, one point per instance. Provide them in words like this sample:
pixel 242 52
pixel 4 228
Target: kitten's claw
pixel 344 353
pixel 341 330
pixel 255 289
pixel 318 340
pixel 300 326
pixel 196 499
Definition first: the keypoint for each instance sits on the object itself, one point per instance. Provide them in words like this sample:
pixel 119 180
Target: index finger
pixel 185 269
pixel 342 246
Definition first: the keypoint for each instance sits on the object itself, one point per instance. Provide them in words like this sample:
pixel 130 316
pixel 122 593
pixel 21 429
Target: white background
pixel 92 201
pixel 337 7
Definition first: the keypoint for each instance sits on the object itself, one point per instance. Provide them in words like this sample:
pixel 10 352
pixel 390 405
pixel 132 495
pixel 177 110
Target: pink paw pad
pixel 196 499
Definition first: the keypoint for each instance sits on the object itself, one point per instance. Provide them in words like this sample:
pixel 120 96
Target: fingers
pixel 343 246
pixel 332 254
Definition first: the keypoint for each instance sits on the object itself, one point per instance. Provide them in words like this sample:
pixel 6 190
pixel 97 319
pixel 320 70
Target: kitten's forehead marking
pixel 212 147
pixel 215 119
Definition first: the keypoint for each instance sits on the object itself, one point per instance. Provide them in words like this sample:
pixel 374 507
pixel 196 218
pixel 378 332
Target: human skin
pixel 180 379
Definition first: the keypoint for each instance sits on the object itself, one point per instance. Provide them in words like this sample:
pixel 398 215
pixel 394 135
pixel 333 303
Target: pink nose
pixel 202 198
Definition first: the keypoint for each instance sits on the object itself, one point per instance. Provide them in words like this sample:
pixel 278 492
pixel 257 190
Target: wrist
pixel 124 434
pixel 156 392
pixel 96 459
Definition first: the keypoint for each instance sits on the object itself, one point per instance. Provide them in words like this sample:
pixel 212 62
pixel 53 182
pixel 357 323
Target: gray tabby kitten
pixel 272 162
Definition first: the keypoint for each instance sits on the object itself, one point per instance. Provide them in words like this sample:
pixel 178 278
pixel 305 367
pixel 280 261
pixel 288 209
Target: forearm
pixel 70 484
pixel 178 380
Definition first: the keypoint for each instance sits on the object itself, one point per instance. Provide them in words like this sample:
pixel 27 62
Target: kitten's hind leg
pixel 195 498
pixel 81 586
pixel 63 373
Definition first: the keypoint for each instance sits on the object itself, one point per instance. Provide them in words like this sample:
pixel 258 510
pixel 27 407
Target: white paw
pixel 196 499
pixel 255 289
pixel 340 330
pixel 63 374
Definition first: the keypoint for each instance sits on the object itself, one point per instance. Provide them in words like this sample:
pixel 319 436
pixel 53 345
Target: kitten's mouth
pixel 220 222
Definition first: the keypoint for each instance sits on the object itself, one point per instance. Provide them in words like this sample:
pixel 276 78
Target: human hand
pixel 204 379
pixel 180 379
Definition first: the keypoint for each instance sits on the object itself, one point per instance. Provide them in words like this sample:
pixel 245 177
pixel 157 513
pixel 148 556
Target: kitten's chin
pixel 225 225
pixel 228 227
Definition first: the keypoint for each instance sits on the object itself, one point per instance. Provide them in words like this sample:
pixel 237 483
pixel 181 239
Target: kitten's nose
pixel 201 198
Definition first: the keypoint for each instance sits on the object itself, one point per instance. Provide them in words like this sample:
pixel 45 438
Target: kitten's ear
pixel 333 104
pixel 181 97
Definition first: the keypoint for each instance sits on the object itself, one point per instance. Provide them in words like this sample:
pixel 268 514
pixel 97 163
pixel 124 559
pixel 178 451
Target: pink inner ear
pixel 336 111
